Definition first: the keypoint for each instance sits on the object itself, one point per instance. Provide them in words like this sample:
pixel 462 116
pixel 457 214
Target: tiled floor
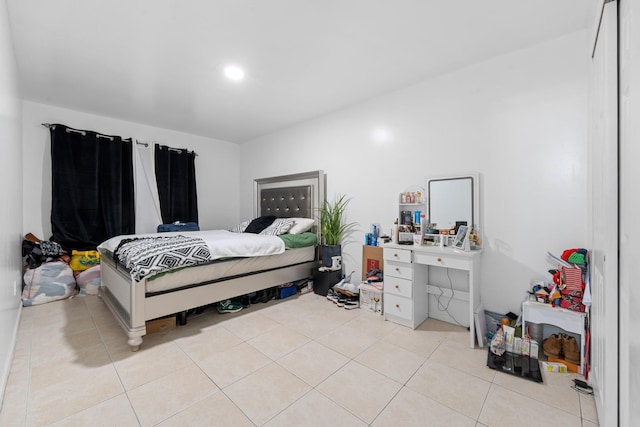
pixel 302 361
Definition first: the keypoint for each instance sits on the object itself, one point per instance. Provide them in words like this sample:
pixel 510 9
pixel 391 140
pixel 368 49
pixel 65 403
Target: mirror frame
pixel 475 196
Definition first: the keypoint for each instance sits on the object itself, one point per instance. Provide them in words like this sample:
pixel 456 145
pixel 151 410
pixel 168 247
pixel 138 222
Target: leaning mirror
pixel 453 200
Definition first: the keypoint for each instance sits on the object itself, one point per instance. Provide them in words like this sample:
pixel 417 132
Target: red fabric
pixel 572 278
pixel 567 253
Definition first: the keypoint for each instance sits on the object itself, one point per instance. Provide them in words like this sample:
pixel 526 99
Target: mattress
pixel 227 268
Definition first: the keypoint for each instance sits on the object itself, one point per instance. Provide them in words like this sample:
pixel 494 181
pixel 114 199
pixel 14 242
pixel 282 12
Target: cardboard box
pixel 162 324
pixel 371 259
pixel 370 298
pixel 571 367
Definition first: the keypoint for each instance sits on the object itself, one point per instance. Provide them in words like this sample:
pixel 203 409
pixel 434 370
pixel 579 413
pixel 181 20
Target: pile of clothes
pixel 52 274
pixel 570 287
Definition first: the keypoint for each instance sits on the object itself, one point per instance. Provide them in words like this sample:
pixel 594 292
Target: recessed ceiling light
pixel 233 72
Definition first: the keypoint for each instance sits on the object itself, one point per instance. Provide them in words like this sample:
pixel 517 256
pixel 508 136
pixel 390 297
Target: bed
pixel 135 301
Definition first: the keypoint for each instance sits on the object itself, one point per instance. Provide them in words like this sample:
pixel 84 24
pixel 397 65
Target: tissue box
pixel 370 298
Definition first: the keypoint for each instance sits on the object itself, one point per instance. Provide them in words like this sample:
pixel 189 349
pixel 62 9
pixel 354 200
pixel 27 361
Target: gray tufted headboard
pixel 297 195
pixel 287 202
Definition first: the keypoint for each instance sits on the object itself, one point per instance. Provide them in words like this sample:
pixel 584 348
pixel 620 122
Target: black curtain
pixel 92 187
pixel 176 179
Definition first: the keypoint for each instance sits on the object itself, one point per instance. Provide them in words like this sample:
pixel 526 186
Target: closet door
pixel 603 162
pixel 629 53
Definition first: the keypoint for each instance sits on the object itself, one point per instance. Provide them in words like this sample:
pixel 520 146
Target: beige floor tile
pixel 216 409
pixel 116 342
pixel 148 364
pixel 313 362
pixel 315 410
pixel 14 411
pixel 45 375
pixel 588 408
pixel 587 423
pixel 278 342
pixel 391 360
pixel 65 345
pixel 316 325
pixel 451 387
pixel 68 355
pixel 361 390
pixel 418 341
pixel 116 412
pixel 555 390
pixel 348 340
pixel 410 409
pixel 456 353
pixel 162 398
pixel 266 392
pixel 435 325
pixel 289 311
pixel 372 325
pixel 63 398
pixel 202 344
pixel 505 408
pixel 248 325
pixel 227 367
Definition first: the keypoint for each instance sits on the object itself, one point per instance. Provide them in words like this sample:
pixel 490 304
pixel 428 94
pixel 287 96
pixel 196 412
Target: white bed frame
pixel 282 196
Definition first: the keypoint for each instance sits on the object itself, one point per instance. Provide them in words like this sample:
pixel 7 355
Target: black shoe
pixel 246 301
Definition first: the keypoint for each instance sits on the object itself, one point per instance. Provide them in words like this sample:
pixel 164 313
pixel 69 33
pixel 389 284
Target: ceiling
pixel 159 62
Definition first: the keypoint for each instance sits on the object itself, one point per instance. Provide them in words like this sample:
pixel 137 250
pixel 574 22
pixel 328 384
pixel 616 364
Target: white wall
pixel 11 195
pixel 518 119
pixel 217 164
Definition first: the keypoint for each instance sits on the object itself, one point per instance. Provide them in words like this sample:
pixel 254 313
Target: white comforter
pixel 221 243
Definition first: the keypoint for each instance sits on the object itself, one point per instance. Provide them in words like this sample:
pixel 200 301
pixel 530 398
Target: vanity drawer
pixel 400 270
pixel 400 255
pixel 442 261
pixel 398 306
pixel 400 287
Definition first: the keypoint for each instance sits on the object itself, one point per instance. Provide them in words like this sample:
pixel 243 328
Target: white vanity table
pixel 407 286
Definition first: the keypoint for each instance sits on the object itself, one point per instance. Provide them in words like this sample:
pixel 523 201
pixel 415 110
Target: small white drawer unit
pixel 405 295
pixel 407 285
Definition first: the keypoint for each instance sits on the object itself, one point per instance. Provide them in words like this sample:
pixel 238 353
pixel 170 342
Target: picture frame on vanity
pixel 461 240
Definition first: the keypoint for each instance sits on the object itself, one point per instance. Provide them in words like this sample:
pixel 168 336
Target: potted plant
pixel 333 227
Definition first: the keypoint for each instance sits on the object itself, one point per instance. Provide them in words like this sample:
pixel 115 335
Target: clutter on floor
pixel 564 300
pixel 515 364
pixel 51 274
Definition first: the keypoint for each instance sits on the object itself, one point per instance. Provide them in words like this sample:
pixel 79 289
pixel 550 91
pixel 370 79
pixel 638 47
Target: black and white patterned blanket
pixel 148 256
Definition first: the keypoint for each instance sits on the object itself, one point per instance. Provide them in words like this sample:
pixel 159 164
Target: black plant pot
pixel 329 251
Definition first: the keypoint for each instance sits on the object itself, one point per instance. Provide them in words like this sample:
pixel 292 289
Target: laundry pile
pixel 51 274
pixel 570 281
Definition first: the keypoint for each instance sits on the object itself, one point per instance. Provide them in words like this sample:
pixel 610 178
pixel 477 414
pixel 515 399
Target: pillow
pixel 240 227
pixel 259 224
pixel 301 240
pixel 301 225
pixel 278 227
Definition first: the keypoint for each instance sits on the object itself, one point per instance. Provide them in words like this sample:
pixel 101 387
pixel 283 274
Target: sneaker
pixel 228 306
pixel 352 303
pixel 333 296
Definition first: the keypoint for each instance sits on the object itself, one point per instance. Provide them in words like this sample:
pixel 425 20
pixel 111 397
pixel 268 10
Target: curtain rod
pixel 84 132
pixel 146 144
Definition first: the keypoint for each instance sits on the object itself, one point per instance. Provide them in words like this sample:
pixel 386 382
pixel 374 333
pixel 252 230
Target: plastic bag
pixel 82 260
pixel 497 343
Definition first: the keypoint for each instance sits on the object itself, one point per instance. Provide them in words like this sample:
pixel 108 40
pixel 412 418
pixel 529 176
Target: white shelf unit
pixel 570 321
